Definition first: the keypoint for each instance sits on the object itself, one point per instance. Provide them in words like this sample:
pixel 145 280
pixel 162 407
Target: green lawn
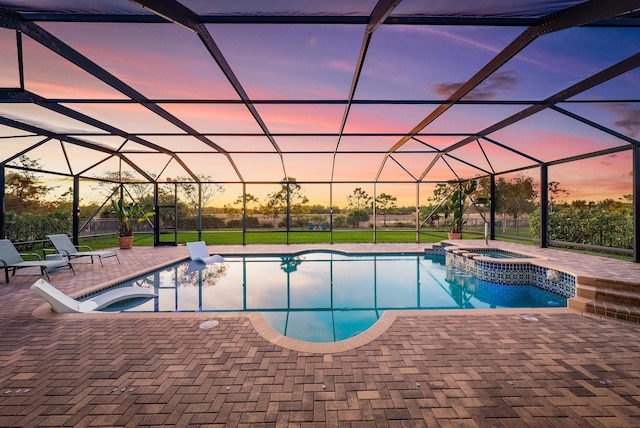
pixel 271 236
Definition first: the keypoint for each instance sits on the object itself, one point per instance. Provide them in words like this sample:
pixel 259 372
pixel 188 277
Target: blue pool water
pixel 498 254
pixel 325 296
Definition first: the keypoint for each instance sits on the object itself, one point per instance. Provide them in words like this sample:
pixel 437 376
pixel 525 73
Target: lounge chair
pixel 12 260
pixel 198 252
pixel 64 304
pixel 63 245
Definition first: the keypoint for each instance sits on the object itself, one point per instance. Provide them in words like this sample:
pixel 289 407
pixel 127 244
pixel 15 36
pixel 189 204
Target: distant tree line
pixel 30 215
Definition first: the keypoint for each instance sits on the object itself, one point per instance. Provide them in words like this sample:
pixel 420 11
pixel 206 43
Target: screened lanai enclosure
pixel 331 121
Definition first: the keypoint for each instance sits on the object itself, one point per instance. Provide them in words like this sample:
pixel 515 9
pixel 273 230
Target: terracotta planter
pixel 126 242
pixel 455 235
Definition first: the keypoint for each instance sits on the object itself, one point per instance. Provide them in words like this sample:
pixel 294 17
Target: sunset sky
pixel 279 62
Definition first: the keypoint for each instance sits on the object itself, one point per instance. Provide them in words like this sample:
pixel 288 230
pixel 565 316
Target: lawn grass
pixel 270 236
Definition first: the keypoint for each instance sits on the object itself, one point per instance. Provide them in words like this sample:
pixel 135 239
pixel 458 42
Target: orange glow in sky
pixel 166 62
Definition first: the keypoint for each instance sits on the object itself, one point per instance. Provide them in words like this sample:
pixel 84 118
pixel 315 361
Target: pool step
pixel 608 283
pixel 616 299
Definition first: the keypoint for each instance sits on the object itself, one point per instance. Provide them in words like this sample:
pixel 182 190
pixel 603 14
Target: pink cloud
pixel 608 177
pixel 301 118
pixel 215 118
pixel 341 66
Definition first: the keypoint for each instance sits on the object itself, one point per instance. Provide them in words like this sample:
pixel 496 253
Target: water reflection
pixel 323 296
pixel 290 264
pixel 200 274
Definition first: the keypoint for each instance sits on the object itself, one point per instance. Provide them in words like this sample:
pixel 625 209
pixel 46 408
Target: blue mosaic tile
pixel 513 273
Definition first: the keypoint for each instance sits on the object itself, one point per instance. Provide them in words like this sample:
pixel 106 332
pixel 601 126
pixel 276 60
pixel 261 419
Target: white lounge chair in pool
pixel 11 259
pixel 198 252
pixel 64 304
pixel 63 245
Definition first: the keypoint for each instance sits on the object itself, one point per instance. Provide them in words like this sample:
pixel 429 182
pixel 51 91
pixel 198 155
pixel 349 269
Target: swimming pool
pixel 326 296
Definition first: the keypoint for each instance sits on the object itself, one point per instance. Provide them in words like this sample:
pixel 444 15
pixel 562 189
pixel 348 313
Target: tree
pixel 556 194
pixel 458 200
pixel 234 208
pixel 250 200
pixel 515 197
pixel 208 190
pixel 23 191
pixel 359 199
pixel 359 202
pixel 384 203
pixel 64 202
pixel 290 195
pixel 271 208
pixel 441 197
pixel 136 187
pixel 355 217
pixel 425 210
pixel 231 211
pixel 29 215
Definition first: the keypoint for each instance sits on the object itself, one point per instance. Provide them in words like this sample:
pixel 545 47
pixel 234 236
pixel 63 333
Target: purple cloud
pixel 500 82
pixel 629 117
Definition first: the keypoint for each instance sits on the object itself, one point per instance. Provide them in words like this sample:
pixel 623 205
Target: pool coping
pixel 262 328
pixel 259 323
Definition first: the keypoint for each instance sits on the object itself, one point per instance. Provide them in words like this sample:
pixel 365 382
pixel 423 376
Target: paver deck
pixel 471 368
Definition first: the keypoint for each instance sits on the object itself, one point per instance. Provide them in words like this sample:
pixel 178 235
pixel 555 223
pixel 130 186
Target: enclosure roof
pixel 332 91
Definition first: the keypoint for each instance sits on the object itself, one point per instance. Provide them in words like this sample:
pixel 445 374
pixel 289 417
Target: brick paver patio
pixel 489 368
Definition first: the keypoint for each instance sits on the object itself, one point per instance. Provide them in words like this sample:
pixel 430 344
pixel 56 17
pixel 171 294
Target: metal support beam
pixel 595 125
pixel 544 206
pixel 156 216
pixel 29 97
pixel 512 150
pixel 417 212
pixel 288 213
pixel 492 206
pixel 11 19
pixel 20 59
pixel 199 212
pixel 185 17
pixel 380 12
pixel 331 212
pixel 244 213
pixel 46 133
pixel 375 213
pixel 26 150
pixel 636 203
pixel 583 13
pixel 2 210
pixel 75 214
pixel 498 21
pixel 580 14
pixel 588 83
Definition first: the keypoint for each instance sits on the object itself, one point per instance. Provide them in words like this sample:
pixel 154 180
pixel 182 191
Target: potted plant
pixel 458 202
pixel 126 215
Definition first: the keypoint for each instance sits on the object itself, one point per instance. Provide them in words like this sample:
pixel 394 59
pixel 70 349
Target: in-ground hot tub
pixel 508 267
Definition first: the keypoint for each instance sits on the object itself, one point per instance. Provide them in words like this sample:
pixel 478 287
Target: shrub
pixel 595 224
pixel 34 227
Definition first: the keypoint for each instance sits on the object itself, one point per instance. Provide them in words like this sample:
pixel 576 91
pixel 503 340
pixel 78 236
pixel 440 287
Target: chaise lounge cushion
pixel 11 259
pixel 63 245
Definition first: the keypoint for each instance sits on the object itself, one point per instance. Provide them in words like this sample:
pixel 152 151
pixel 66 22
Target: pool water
pixel 498 254
pixel 326 296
